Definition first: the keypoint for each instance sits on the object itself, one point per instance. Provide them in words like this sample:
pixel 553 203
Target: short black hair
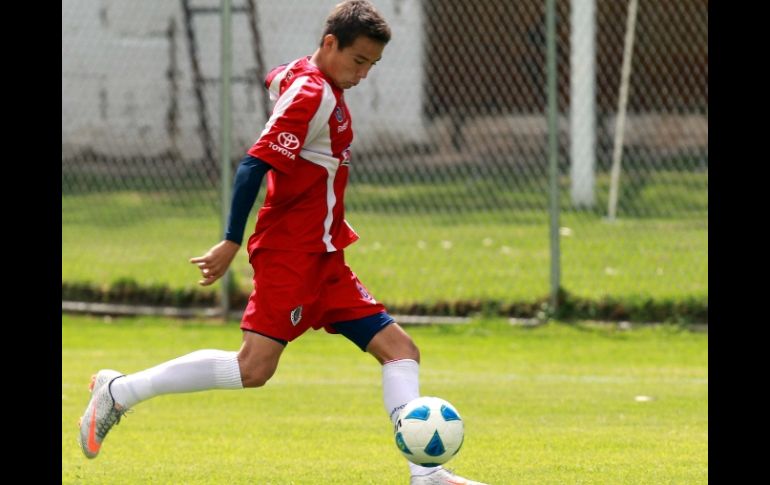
pixel 354 18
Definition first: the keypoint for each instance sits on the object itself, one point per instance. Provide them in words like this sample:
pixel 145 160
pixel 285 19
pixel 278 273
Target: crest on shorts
pixel 364 294
pixel 296 315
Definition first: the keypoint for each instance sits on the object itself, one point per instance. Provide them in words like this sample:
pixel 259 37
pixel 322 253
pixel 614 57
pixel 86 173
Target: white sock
pixel 401 384
pixel 198 371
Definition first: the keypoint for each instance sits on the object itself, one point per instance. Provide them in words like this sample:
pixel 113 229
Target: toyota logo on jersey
pixel 288 140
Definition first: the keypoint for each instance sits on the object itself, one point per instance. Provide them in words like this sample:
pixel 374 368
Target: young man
pixel 300 276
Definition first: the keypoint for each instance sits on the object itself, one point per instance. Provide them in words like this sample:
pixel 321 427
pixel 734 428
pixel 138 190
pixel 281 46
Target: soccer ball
pixel 429 431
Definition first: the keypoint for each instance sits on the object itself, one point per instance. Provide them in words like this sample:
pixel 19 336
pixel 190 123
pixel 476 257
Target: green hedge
pixel 633 309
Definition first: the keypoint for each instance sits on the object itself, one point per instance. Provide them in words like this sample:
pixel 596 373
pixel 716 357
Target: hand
pixel 215 262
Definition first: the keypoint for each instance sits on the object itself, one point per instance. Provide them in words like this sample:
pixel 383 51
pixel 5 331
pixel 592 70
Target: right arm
pixel 248 179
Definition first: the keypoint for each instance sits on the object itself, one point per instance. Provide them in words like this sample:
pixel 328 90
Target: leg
pixel 400 359
pixel 379 335
pixel 114 393
pixel 393 343
pixel 258 358
pixel 202 370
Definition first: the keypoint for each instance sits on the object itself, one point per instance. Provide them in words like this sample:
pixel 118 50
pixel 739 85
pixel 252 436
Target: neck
pixel 315 59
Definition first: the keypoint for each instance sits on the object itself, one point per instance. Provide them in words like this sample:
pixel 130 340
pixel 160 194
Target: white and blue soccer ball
pixel 429 431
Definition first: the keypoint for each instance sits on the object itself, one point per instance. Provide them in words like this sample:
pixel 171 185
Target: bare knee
pixel 258 359
pixel 256 377
pixel 409 350
pixel 393 343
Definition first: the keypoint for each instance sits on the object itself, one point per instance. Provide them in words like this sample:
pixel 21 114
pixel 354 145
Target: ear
pixel 329 41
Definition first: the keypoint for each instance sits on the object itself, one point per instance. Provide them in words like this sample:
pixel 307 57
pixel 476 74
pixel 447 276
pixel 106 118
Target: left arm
pixel 248 178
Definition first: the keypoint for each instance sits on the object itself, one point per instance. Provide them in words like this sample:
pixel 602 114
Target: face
pixel 347 67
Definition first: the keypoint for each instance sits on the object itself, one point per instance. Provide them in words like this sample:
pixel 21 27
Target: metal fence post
pixel 224 142
pixel 553 153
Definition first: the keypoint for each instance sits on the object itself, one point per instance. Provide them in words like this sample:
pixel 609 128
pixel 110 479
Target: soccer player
pixel 300 276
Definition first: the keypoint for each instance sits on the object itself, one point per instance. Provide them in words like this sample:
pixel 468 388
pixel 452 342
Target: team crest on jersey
pixel 339 114
pixel 296 315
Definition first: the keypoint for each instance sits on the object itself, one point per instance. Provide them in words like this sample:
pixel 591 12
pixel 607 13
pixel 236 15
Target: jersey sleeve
pixel 273 80
pixel 281 141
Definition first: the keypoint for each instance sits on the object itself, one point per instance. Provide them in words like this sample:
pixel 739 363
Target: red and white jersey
pixel 307 141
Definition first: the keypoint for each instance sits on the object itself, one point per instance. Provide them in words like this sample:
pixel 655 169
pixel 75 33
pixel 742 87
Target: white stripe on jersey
pixel 318 149
pixel 275 84
pixel 283 102
pixel 318 139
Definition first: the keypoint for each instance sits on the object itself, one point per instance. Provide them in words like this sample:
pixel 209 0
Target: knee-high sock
pixel 197 371
pixel 401 384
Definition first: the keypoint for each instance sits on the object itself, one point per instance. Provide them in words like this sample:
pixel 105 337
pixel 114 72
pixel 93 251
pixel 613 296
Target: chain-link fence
pixel 449 179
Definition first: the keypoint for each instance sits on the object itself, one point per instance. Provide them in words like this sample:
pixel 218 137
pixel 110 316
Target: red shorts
pixel 294 291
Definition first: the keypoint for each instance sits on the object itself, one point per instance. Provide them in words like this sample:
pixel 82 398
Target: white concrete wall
pixel 117 95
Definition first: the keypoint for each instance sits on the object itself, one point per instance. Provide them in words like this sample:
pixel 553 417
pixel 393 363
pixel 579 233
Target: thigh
pixel 361 331
pixel 281 305
pixel 344 297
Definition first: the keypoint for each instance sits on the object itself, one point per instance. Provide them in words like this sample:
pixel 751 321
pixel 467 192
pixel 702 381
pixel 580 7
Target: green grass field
pixel 547 405
pixel 422 243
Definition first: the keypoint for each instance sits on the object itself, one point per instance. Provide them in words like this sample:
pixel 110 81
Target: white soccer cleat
pixel 101 413
pixel 441 476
